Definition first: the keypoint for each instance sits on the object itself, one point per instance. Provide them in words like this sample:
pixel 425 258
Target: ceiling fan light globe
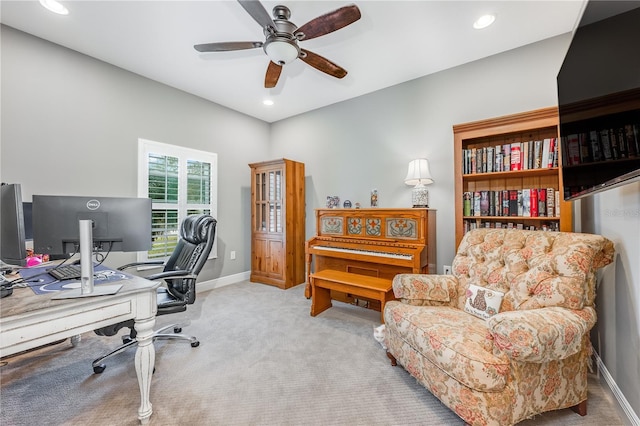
pixel 281 52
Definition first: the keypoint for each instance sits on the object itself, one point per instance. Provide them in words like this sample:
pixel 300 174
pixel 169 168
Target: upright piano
pixel 373 241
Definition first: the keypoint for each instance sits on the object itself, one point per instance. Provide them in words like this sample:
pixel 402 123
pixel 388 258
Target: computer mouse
pixel 5 290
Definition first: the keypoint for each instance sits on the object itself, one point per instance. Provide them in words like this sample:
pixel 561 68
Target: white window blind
pixel 180 181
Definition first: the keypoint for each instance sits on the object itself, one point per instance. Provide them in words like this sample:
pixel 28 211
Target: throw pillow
pixel 482 302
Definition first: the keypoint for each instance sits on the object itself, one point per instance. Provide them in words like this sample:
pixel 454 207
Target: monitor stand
pixel 87 288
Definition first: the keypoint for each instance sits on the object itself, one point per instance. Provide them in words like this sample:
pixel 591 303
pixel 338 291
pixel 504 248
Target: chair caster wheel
pixel 195 344
pixel 126 339
pixel 99 368
pixel 177 330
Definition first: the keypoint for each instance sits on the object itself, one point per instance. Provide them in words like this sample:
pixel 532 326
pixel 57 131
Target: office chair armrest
pixel 171 274
pixel 131 265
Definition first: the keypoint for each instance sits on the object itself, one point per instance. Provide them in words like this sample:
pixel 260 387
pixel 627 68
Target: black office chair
pixel 197 233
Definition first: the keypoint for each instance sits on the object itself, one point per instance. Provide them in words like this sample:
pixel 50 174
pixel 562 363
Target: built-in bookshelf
pixel 507 174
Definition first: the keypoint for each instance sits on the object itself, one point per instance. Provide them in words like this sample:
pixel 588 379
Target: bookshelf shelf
pixel 512 173
pixel 498 184
pixel 513 218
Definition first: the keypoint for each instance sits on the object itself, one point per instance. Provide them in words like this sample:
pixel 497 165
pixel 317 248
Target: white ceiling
pixel 393 42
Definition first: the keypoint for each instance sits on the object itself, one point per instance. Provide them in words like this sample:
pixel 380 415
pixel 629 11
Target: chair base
pixel 130 340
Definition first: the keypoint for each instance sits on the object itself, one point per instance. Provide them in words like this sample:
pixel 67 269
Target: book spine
pixel 534 202
pixel 542 202
pixel 605 142
pixel 466 203
pixel 505 203
pixel 476 203
pixel 513 202
pixel 484 160
pixel 633 140
pixel 515 156
pixel 574 149
pixel 526 202
pixel 552 147
pixel 585 148
pixel 545 153
pixel 596 152
pixel 550 202
pixel 484 203
pixel 473 160
pixel 525 155
pixel 520 208
pixel 622 142
pixel 506 163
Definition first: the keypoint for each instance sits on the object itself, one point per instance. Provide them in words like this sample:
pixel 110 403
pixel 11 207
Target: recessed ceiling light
pixel 484 21
pixel 55 7
pixel 267 102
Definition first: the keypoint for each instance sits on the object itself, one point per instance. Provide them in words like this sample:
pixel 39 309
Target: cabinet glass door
pixel 268 201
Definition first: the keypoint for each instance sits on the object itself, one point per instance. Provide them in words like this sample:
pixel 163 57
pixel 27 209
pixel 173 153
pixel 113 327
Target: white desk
pixel 28 320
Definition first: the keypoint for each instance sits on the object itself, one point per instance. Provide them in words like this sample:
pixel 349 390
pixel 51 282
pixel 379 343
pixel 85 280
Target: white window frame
pixel 146 147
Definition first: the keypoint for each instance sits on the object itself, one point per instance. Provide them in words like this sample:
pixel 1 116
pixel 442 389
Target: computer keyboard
pixel 66 272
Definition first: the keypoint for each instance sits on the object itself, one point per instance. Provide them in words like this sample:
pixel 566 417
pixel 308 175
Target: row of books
pixel 526 202
pixel 602 145
pixel 539 154
pixel 472 224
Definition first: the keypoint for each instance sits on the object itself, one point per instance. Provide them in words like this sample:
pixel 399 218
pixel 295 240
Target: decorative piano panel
pixel 374 242
pixel 379 224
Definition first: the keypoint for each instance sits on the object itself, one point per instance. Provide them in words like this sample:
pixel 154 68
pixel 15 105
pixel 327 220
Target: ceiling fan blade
pixel 329 22
pixel 272 76
pixel 226 46
pixel 323 64
pixel 258 12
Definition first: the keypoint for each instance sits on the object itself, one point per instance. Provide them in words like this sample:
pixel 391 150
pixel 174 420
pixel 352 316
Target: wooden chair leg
pixel 581 408
pixel 392 358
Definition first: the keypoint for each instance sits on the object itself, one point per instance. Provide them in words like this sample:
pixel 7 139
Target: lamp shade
pixel 418 173
pixel 281 51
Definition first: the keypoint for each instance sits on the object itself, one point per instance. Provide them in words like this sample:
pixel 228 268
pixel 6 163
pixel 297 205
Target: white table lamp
pixel 419 176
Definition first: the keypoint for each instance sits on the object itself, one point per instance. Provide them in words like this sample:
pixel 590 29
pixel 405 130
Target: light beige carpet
pixel 263 360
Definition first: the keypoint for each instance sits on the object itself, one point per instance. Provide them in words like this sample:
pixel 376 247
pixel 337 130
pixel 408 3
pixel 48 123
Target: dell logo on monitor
pixel 93 204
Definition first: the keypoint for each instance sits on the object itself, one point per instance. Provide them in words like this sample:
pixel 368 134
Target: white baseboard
pixel 223 281
pixel 617 393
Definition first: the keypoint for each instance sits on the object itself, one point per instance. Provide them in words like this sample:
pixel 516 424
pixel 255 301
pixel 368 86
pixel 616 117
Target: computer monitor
pixel 27 209
pixel 118 224
pixel 13 247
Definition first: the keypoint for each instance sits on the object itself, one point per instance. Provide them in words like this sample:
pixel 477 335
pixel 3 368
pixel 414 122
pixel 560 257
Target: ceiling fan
pixel 282 37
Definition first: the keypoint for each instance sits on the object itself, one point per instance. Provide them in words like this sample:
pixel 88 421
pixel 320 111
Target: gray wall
pixel 95 113
pixel 70 126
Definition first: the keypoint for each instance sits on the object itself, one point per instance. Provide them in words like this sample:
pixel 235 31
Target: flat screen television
pixel 118 224
pixel 599 100
pixel 13 250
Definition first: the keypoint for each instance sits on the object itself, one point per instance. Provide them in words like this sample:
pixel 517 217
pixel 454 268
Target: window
pixel 180 181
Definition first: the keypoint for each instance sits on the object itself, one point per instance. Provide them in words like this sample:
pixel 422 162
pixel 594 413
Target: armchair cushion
pixel 454 341
pixel 425 290
pixel 540 335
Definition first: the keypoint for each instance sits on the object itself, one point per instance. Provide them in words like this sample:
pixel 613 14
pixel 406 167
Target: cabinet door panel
pixel 275 259
pixel 260 255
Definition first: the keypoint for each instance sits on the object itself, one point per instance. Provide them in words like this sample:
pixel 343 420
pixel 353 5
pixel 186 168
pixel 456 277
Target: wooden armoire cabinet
pixel 277 223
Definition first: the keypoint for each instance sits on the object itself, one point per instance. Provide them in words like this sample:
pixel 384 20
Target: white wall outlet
pixel 232 255
pixel 446 269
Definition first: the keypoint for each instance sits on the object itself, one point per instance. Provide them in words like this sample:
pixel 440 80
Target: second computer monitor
pixel 118 223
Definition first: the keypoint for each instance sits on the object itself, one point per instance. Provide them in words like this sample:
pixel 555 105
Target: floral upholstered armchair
pixel 507 335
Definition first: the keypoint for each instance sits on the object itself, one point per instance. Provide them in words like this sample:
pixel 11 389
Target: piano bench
pixel 322 282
